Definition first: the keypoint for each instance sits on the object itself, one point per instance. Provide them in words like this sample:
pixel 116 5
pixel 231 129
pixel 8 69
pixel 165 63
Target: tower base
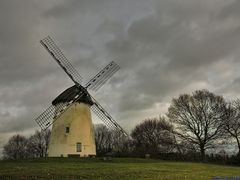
pixel 72 133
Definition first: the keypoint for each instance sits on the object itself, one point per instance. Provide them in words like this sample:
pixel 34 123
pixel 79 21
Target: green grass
pixel 117 168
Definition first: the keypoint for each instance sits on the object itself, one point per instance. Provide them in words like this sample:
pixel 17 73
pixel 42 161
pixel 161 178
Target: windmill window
pixel 79 147
pixel 67 130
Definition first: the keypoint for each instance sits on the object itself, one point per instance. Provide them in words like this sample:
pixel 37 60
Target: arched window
pixel 79 147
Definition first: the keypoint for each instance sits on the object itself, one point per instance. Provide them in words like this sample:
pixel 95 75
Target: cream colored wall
pixel 78 118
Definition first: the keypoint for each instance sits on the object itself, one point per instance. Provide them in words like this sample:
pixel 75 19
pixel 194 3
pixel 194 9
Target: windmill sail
pixel 97 81
pixel 46 119
pixel 106 118
pixel 59 57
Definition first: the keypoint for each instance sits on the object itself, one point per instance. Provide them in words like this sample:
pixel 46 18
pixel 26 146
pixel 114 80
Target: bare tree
pixel 103 139
pixel 121 144
pixel 232 123
pixel 153 136
pixel 111 141
pixel 38 143
pixel 16 148
pixel 198 118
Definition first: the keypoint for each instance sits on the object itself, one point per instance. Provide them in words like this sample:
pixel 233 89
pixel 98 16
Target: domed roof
pixel 69 95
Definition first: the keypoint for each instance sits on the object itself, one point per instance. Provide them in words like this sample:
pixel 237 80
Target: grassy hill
pixel 117 168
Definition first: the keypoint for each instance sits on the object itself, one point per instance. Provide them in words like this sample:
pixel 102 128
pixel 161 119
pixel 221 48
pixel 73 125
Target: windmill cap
pixel 70 93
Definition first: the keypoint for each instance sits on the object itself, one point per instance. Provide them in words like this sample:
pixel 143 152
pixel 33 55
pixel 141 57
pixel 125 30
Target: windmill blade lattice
pixel 97 81
pixel 46 119
pixel 59 57
pixel 106 118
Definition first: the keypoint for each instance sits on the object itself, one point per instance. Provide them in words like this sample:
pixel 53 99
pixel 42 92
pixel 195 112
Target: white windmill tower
pixel 70 114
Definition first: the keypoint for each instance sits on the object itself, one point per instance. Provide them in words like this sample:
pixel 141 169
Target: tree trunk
pixel 238 143
pixel 202 151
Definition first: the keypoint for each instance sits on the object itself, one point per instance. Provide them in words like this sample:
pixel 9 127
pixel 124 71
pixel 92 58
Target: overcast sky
pixel 164 48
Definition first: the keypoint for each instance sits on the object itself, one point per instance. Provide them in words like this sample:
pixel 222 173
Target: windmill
pixel 70 114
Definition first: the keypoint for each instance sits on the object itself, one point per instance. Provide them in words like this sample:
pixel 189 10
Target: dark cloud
pixel 230 11
pixel 163 47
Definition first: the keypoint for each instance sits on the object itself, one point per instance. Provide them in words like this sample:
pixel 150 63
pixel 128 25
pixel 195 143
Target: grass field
pixel 117 168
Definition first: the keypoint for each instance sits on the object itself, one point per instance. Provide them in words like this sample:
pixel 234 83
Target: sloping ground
pixel 117 168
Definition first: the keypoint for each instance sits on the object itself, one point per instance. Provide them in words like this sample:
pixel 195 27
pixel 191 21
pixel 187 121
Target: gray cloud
pixel 163 47
pixel 230 11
